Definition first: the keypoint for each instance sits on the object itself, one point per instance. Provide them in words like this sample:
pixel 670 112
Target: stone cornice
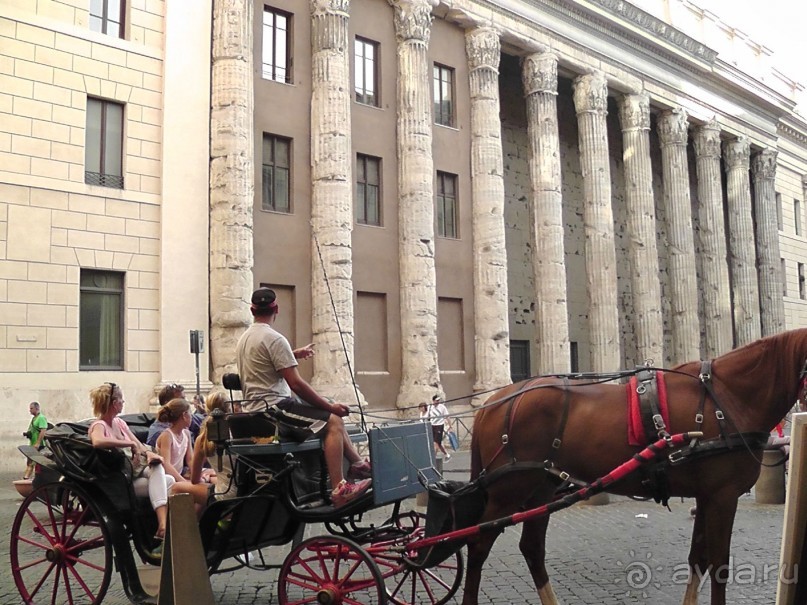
pixel 792 133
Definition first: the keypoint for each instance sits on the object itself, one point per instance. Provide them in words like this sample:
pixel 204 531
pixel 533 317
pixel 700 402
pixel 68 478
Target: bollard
pixel 422 499
pixel 770 487
pixel 183 575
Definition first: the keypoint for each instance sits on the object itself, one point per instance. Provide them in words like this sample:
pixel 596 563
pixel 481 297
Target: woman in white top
pixel 174 443
pixel 109 431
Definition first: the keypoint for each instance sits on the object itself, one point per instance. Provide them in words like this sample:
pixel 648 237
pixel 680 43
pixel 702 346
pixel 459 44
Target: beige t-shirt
pixel 261 353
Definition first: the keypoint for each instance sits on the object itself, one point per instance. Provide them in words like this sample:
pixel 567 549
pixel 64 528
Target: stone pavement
pixel 623 552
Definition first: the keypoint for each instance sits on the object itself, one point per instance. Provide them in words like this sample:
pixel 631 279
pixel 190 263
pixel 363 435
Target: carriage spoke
pixel 67 584
pixel 81 582
pixel 55 591
pixel 38 525
pixel 42 580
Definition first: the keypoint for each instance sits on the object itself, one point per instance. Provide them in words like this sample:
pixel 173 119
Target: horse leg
pixel 478 551
pixel 533 547
pixel 697 558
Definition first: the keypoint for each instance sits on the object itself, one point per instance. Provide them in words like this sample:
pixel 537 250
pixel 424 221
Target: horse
pixel 581 426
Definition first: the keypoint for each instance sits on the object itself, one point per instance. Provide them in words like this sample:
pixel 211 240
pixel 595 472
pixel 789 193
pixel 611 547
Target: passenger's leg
pixel 158 485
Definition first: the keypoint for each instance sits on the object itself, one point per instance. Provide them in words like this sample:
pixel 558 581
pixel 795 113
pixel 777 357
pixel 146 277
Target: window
pixel 797 216
pixel 779 219
pixel 276 45
pixel 101 320
pixel 574 357
pixel 366 72
pixel 103 151
pixel 784 276
pixel 368 189
pixel 106 17
pixel 802 289
pixel 446 204
pixel 276 169
pixel 443 95
pixel 519 360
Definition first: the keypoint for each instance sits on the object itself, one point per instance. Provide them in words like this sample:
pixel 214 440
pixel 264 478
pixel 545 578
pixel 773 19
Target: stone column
pixel 673 128
pixel 771 302
pixel 420 375
pixel 232 181
pixel 540 78
pixel 715 285
pixel 634 114
pixel 742 248
pixel 331 200
pixel 591 103
pixel 492 332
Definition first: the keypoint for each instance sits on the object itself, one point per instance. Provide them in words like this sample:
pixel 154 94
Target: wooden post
pixel 792 560
pixel 183 575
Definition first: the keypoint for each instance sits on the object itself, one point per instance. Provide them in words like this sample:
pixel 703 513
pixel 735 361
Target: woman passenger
pixel 109 431
pixel 174 443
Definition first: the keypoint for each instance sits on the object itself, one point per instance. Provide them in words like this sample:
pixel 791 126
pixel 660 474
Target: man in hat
pixel 269 377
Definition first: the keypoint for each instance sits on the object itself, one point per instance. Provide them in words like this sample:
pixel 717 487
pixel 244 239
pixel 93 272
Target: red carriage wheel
pixel 60 550
pixel 330 570
pixel 410 584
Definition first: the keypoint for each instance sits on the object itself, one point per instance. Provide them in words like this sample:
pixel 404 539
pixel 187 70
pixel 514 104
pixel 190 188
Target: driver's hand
pixel 340 409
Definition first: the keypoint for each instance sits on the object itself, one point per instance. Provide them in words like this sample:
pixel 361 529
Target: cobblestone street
pixel 623 552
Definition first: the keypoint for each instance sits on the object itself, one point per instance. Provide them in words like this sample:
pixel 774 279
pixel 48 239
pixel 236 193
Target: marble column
pixel 742 249
pixel 492 332
pixel 591 104
pixel 634 115
pixel 232 180
pixel 420 374
pixel 673 130
pixel 771 302
pixel 715 286
pixel 331 200
pixel 539 73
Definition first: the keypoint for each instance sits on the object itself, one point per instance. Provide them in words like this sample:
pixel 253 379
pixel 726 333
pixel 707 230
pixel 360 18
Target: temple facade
pixel 445 196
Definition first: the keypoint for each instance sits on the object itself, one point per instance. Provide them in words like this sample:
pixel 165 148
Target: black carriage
pixel 83 519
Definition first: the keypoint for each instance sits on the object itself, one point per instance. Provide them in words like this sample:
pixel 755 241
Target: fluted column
pixel 673 126
pixel 331 199
pixel 742 250
pixel 591 102
pixel 771 303
pixel 492 332
pixel 540 79
pixel 232 188
pixel 712 232
pixel 634 114
pixel 420 375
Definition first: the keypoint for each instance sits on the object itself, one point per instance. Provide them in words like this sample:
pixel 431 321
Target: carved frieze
pixel 737 152
pixel 413 19
pixel 673 127
pixel 634 112
pixel 539 73
pixel 763 165
pixel 591 93
pixel 706 139
pixel 483 48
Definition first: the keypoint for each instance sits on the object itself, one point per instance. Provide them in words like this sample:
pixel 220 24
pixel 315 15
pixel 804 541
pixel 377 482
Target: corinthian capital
pixel 634 112
pixel 707 140
pixel 329 7
pixel 591 93
pixel 413 19
pixel 737 152
pixel 539 73
pixel 673 127
pixel 483 47
pixel 763 166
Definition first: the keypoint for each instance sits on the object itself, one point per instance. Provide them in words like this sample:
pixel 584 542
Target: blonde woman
pixel 224 486
pixel 109 431
pixel 174 443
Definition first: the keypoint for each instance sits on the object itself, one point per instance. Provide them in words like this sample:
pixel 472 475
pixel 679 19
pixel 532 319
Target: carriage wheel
pixel 408 584
pixel 60 550
pixel 330 570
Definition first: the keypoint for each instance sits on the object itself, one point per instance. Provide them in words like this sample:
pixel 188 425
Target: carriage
pixel 67 530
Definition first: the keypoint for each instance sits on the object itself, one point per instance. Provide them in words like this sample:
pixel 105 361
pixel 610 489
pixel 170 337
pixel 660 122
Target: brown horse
pixel 754 386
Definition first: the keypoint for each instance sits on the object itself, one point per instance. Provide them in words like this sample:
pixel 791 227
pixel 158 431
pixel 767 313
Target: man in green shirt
pixel 35 432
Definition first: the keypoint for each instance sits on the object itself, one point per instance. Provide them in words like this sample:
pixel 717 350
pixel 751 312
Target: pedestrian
pixel 269 376
pixel 440 421
pixel 36 431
